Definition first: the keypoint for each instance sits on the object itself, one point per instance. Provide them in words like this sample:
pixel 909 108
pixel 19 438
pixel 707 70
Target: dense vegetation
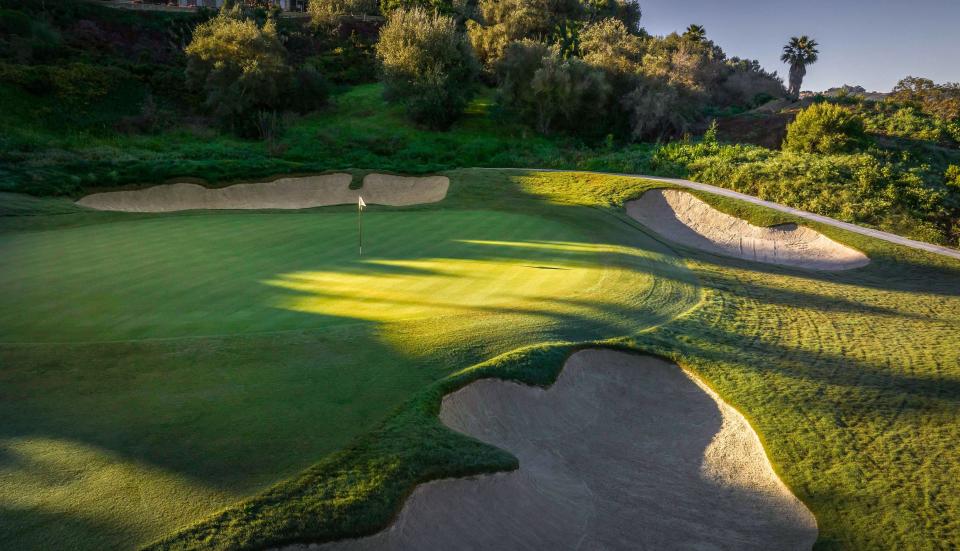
pixel 428 67
pixel 100 98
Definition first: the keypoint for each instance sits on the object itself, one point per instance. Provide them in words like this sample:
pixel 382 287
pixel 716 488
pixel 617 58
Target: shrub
pixel 825 128
pixel 953 177
pixel 515 73
pixel 609 45
pixel 551 93
pixel 433 6
pixel 745 83
pixel 307 91
pixel 626 12
pixel 939 100
pixel 328 12
pixel 348 58
pixel 570 95
pixel 881 189
pixel 657 110
pixel 905 121
pixel 503 22
pixel 26 39
pixel 148 121
pixel 427 65
pixel 74 84
pixel 239 65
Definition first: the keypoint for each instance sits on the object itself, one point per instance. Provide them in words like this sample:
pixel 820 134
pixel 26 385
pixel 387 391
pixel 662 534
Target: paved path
pixel 892 238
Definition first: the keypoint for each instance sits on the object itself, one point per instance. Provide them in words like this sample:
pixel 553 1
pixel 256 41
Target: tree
pixel 695 33
pixel 505 21
pixel 939 100
pixel 239 65
pixel 658 110
pixel 798 53
pixel 825 128
pixel 427 65
pixel 609 45
pixel 551 93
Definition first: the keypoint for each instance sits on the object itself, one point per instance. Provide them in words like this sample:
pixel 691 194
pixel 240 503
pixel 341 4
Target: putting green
pixel 174 364
pixel 231 274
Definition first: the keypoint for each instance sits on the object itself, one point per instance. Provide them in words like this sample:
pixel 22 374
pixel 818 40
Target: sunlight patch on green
pixel 446 286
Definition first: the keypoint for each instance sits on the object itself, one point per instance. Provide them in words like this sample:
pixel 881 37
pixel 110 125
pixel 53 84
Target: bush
pixel 503 22
pixel 308 90
pixel 239 65
pixel 570 96
pixel 939 100
pixel 432 6
pixel 28 40
pixel 609 45
pixel 825 128
pixel 879 189
pixel 550 93
pixel 626 12
pixel 328 12
pixel 658 110
pixel 953 177
pixel 74 84
pixel 427 65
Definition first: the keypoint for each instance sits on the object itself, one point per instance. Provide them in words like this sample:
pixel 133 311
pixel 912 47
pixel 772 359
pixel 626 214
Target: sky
pixel 867 43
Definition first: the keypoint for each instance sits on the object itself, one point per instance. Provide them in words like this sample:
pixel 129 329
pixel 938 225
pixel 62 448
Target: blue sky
pixel 868 43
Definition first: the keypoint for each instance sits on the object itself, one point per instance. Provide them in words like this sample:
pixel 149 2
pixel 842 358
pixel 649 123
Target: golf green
pixel 162 367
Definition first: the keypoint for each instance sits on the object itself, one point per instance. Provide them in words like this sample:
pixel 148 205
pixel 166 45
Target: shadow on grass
pixel 356 490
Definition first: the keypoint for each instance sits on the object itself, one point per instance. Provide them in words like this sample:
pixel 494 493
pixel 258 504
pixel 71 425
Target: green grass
pixel 174 364
pixel 310 413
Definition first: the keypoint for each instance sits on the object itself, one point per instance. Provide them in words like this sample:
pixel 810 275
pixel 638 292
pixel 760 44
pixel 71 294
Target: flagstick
pixel 360 226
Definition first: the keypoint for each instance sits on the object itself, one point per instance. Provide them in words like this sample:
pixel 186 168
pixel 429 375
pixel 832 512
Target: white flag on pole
pixel 361 204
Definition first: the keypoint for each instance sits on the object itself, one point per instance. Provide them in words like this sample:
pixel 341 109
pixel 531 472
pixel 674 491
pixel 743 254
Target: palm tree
pixel 695 33
pixel 799 53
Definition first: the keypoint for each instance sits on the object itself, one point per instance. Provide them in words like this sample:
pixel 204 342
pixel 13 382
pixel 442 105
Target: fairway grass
pixel 226 380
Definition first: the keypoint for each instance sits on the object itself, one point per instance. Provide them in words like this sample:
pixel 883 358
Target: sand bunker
pixel 285 193
pixel 623 452
pixel 683 218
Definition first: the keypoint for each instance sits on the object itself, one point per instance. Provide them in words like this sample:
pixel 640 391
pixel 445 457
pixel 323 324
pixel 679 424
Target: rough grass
pixel 851 379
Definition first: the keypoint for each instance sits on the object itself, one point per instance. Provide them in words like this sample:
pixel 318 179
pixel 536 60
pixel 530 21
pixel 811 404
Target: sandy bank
pixel 622 452
pixel 684 219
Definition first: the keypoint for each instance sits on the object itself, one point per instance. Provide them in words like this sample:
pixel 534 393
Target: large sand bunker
pixel 681 217
pixel 623 452
pixel 284 193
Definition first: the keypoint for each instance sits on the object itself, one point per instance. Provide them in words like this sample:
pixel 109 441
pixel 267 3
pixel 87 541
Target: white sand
pixel 623 452
pixel 284 193
pixel 684 219
pixel 386 189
